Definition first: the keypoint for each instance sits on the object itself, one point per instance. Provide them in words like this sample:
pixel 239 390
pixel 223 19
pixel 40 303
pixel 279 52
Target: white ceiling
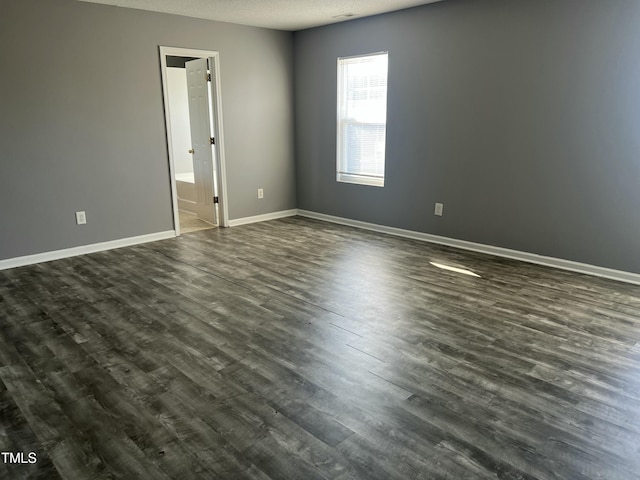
pixel 278 14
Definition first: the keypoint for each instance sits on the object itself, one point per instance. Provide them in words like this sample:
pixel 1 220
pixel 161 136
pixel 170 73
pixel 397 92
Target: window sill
pixel 360 180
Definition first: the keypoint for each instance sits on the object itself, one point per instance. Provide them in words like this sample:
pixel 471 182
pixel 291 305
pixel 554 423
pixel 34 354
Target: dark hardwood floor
pixel 297 349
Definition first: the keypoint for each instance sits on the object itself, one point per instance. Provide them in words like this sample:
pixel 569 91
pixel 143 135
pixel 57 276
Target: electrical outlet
pixel 260 193
pixel 81 218
pixel 438 211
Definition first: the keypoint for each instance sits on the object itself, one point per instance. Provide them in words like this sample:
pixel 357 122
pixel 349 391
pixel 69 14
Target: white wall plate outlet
pixel 438 210
pixel 260 193
pixel 81 218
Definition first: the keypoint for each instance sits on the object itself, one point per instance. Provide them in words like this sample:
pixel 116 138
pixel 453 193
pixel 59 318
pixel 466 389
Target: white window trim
pixel 347 177
pixel 360 179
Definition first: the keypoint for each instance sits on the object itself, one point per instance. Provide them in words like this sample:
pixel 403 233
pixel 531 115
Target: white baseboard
pixel 263 218
pixel 83 250
pixel 612 274
pixel 585 268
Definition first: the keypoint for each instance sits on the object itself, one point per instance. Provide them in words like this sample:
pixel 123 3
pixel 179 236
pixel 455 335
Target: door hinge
pixel 213 141
pixel 216 199
pixel 208 77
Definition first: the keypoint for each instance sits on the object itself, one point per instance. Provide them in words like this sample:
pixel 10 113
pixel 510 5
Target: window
pixel 362 119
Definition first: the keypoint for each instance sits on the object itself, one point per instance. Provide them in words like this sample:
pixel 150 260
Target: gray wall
pixel 76 133
pixel 521 116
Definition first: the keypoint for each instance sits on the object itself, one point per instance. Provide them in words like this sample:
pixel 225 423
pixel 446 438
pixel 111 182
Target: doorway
pixel 193 118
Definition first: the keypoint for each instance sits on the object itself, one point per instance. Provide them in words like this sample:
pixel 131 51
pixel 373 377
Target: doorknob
pixel 191 150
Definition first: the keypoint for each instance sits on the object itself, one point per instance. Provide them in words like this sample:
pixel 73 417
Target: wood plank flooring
pixel 297 349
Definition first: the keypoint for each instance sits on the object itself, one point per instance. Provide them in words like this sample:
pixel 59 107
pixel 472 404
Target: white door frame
pixel 223 218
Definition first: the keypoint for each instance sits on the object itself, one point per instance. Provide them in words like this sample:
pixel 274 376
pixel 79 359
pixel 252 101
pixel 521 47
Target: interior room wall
pixel 82 122
pixel 522 117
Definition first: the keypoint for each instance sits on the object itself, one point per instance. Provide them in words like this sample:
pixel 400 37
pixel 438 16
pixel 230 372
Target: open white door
pixel 201 138
pixel 216 119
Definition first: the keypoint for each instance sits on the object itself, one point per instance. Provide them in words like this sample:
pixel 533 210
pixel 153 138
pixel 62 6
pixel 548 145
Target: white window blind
pixel 362 118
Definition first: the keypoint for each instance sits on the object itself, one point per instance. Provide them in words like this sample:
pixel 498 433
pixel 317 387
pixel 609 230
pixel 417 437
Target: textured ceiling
pixel 278 14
